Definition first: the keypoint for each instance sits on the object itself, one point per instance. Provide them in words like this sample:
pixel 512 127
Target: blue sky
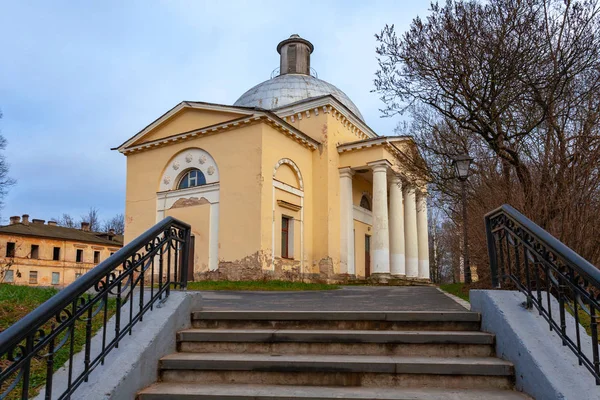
pixel 77 78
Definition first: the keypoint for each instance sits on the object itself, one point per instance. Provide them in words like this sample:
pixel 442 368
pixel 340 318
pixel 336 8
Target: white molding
pixel 363 215
pixel 287 130
pixel 165 200
pixel 340 108
pixel 187 159
pixel 213 237
pixel 287 188
pixel 362 144
pixel 292 165
pixel 175 110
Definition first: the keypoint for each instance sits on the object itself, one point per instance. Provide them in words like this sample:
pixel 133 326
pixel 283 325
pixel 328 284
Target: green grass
pixel 18 301
pixel 259 285
pixel 457 289
pixel 584 318
pixel 462 291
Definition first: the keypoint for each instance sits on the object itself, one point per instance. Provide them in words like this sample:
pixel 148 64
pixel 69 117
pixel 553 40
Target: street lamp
pixel 462 164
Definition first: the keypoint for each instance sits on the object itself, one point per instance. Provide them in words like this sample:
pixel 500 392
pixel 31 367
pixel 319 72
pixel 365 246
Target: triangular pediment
pixel 185 117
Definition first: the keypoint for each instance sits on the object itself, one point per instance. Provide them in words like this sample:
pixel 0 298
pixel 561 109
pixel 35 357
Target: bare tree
pixel 66 220
pixel 5 181
pixel 517 85
pixel 93 219
pixel 117 223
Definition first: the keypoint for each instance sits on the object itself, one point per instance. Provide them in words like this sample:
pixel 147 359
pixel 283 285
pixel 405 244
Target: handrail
pixel 525 256
pixel 90 300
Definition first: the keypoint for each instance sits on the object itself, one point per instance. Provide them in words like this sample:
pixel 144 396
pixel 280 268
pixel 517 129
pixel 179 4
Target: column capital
pixel 346 172
pixel 409 186
pixel 396 179
pixel 380 165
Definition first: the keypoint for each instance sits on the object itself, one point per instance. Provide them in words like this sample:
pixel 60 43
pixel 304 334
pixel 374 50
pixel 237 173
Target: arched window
pixel 365 203
pixel 193 177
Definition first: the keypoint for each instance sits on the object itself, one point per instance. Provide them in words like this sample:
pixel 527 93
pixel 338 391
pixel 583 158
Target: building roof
pixel 376 141
pixel 61 233
pixel 292 88
pixel 249 115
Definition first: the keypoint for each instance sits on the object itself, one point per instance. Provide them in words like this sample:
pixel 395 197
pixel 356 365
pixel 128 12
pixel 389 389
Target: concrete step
pixel 338 370
pixel 339 320
pixel 353 342
pixel 179 391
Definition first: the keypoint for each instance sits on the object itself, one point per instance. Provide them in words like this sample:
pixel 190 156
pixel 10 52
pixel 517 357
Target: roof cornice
pixel 251 116
pixel 338 109
pixel 175 110
pixel 258 116
pixel 386 141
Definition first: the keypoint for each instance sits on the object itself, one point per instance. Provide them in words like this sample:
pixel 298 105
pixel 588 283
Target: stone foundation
pixel 256 268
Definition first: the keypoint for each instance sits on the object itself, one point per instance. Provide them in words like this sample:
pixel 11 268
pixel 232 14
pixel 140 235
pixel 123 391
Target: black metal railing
pixel 553 277
pixel 78 319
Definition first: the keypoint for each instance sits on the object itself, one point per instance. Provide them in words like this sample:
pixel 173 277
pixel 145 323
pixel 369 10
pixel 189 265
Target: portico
pixel 393 210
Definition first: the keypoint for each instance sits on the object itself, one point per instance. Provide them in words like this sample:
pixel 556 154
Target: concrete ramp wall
pixel 134 364
pixel 544 368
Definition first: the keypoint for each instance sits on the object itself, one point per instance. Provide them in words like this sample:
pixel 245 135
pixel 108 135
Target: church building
pixel 288 182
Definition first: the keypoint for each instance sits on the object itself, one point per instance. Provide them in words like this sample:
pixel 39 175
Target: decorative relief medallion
pixel 202 159
pixel 189 158
pixel 167 179
pixel 211 170
pixel 176 165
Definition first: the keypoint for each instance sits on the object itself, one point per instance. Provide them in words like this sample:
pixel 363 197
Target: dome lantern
pixel 294 55
pixel 294 82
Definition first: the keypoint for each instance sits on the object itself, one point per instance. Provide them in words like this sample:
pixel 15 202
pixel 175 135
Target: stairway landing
pixel 347 298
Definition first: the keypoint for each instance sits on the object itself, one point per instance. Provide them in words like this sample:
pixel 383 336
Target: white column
pixel 381 238
pixel 346 222
pixel 410 232
pixel 213 238
pixel 397 263
pixel 423 235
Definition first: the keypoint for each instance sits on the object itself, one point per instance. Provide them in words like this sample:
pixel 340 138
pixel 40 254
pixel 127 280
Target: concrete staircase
pixel 334 355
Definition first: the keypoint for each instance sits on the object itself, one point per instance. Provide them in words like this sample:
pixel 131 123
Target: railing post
pixel 185 258
pixel 491 245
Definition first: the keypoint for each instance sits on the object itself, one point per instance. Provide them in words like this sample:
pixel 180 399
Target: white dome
pixel 290 88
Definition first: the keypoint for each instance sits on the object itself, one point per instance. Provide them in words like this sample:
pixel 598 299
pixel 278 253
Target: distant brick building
pixel 39 254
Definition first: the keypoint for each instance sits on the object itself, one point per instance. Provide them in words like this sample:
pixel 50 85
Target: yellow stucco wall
pixel 276 147
pixel 187 120
pixel 66 266
pixel 286 174
pixel 198 217
pixel 361 186
pixel 240 182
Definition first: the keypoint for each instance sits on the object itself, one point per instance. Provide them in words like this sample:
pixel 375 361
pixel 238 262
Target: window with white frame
pixel 193 177
pixel 55 278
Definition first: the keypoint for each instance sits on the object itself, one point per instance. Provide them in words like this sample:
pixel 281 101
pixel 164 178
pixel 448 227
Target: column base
pixel 380 277
pixel 402 280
